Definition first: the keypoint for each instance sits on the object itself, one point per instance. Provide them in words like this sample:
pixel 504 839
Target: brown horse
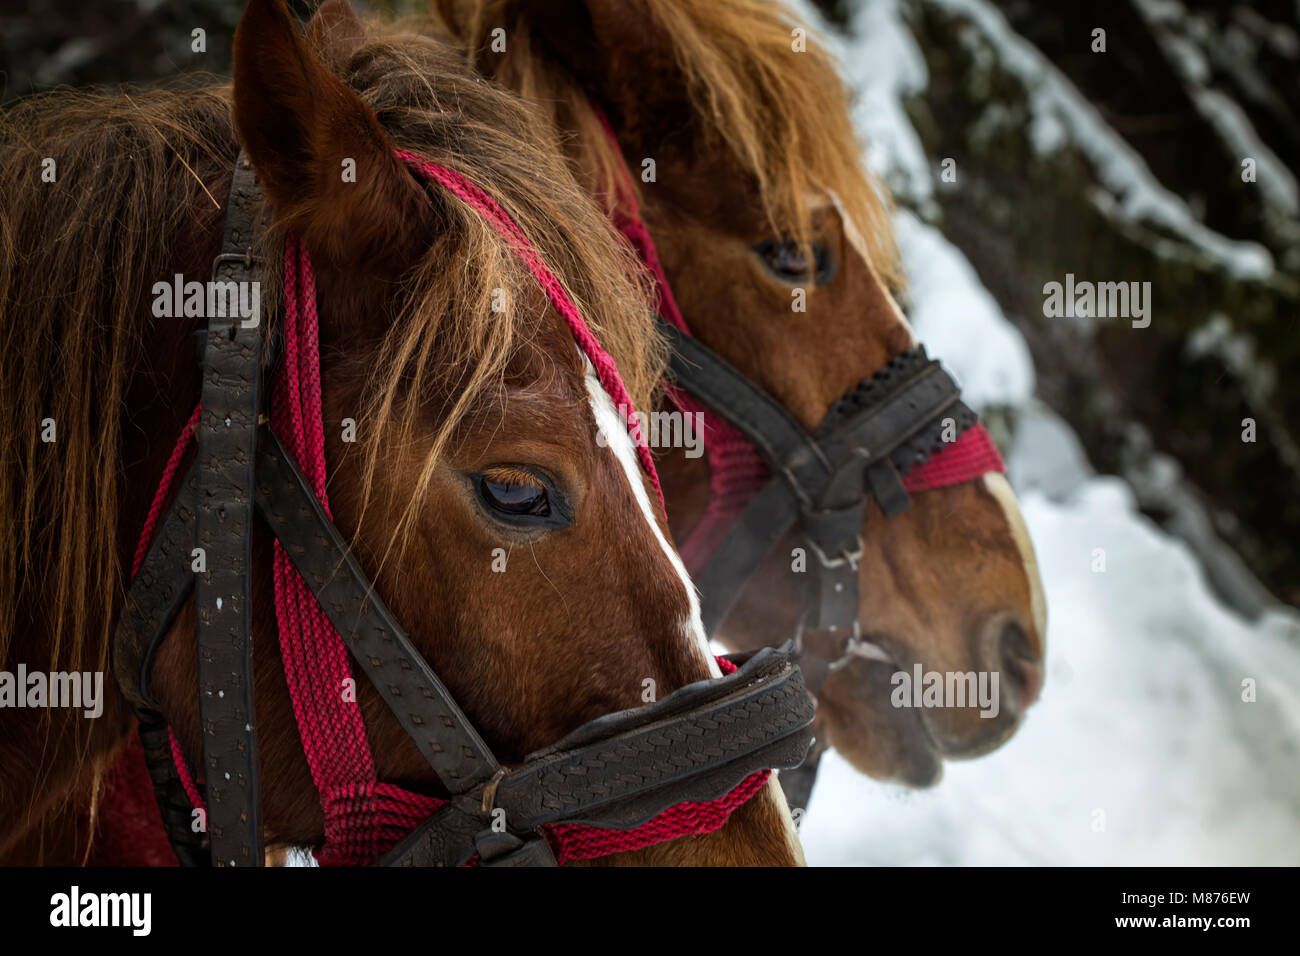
pixel 752 185
pixel 467 416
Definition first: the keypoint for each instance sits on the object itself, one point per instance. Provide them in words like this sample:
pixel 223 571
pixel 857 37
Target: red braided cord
pixel 973 454
pixel 164 488
pixel 316 664
pixel 576 842
pixel 606 369
pixel 363 817
pixel 183 771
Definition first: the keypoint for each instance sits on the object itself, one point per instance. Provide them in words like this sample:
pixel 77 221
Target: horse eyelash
pixel 512 475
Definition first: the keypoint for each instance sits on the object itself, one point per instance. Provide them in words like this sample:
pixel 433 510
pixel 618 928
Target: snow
pixel 1178 35
pixel 1137 195
pixel 1142 749
pixel 959 321
pixel 1236 130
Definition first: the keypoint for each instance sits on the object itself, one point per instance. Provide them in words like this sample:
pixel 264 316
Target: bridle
pixel 902 429
pixel 675 767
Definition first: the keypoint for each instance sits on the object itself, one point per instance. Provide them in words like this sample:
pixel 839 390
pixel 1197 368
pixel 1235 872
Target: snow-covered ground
pixel 1144 748
pixel 1141 749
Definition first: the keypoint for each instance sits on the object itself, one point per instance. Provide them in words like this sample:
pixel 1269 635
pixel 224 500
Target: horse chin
pixel 921 763
pixel 901 744
pixel 886 743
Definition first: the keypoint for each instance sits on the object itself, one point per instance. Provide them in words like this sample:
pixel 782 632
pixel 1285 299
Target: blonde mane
pixel 783 115
pixel 136 177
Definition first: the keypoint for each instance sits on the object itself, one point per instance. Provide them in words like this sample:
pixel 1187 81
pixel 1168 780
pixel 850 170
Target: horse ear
pixel 335 33
pixel 326 164
pixel 623 57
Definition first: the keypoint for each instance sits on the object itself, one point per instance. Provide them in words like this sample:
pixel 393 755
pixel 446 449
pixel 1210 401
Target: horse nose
pixel 1022 666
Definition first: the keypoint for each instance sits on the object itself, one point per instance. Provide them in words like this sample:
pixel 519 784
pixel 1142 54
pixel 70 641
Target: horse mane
pixel 782 115
pixel 136 174
pixel 78 257
pixel 431 103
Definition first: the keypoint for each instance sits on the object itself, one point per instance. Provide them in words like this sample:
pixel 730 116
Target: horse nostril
pixel 1021 665
pixel 1015 644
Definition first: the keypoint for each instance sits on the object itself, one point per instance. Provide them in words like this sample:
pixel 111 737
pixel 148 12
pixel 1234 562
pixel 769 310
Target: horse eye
pixel 513 497
pixel 788 260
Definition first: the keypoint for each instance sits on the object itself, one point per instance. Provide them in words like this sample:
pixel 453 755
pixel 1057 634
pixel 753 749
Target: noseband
pixel 621 782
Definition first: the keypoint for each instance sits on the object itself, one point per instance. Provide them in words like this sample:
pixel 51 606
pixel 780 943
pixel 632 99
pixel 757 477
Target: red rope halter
pixel 363 816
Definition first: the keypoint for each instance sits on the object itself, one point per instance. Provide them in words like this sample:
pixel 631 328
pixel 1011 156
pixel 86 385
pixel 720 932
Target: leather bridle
pixel 903 428
pixel 821 482
pixel 701 743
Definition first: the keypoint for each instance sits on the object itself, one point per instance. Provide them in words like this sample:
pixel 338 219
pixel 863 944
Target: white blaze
pixel 1000 489
pixel 614 432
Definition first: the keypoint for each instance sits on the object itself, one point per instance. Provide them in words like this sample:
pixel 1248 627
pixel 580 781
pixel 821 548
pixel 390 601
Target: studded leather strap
pixel 227 445
pixel 821 481
pixel 157 593
pixel 413 692
pixel 621 770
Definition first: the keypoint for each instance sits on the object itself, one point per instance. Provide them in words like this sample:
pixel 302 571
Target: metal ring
pixel 850 558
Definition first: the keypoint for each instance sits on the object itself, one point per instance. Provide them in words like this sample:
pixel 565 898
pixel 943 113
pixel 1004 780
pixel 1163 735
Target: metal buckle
pixel 246 258
pixel 850 558
pixel 855 646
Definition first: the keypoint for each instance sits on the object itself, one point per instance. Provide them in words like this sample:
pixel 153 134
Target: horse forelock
pixel 780 113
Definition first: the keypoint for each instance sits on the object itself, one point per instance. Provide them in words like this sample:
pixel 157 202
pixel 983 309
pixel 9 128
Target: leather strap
pixel 157 593
pixel 797 782
pixel 871 436
pixel 917 403
pixel 191 848
pixel 767 517
pixel 623 769
pixel 666 746
pixel 410 688
pixel 227 452
pixel 785 446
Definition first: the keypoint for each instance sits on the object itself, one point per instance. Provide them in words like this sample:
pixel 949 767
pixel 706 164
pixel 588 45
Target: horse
pixel 774 243
pixel 478 470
